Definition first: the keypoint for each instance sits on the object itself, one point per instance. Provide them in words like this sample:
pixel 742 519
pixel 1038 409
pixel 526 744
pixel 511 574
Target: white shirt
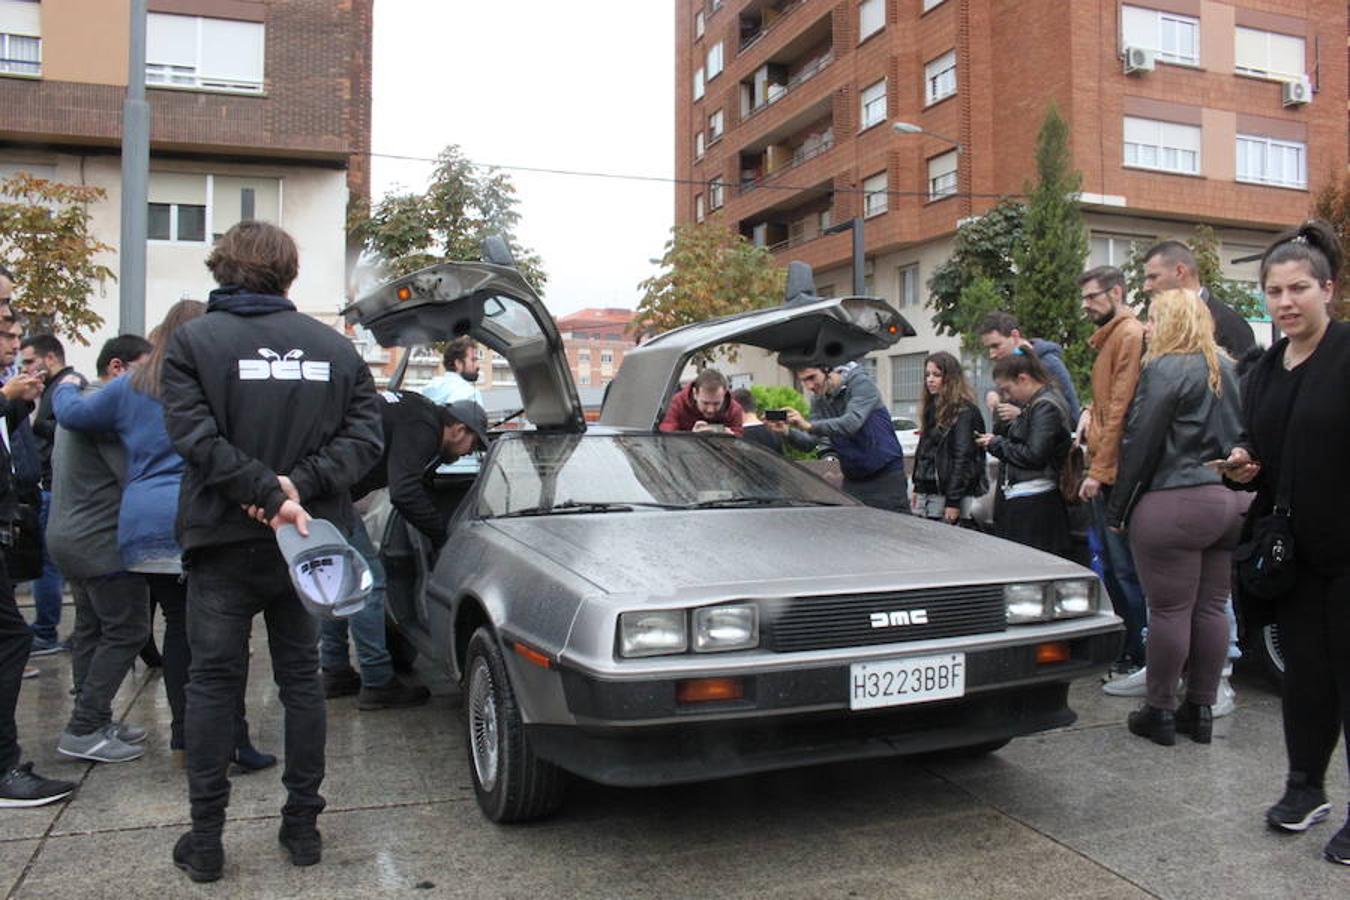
pixel 451 388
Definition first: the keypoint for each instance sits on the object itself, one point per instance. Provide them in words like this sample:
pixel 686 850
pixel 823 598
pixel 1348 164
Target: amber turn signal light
pixel 1053 652
pixel 532 655
pixel 404 293
pixel 705 690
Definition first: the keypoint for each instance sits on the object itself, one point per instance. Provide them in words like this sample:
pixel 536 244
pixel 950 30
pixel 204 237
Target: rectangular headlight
pixel 718 628
pixel 1075 598
pixel 1026 602
pixel 652 632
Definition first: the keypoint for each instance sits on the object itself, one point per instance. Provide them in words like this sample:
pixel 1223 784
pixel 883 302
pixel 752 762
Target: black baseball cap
pixel 471 416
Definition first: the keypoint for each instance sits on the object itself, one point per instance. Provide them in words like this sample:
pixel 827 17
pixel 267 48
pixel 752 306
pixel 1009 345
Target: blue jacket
pixel 1050 356
pixel 154 468
pixel 858 425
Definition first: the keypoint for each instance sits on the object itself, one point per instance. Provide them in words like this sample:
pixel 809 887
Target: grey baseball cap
pixel 330 577
pixel 469 414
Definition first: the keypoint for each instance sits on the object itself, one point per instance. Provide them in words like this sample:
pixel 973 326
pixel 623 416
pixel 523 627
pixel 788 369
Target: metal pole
pixel 135 178
pixel 858 257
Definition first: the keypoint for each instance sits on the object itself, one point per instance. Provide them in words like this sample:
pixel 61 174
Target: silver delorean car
pixel 642 608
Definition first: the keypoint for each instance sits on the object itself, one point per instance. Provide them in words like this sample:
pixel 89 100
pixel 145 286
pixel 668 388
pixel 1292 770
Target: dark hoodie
pixel 1051 355
pixel 254 389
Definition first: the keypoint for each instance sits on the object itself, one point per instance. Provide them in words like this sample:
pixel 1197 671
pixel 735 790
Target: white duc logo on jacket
pixel 282 368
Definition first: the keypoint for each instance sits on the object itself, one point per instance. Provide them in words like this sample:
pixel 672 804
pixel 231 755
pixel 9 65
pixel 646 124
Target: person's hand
pixel 1007 411
pixel 797 420
pixel 951 514
pixel 1090 489
pixel 777 426
pixel 992 399
pixel 1240 467
pixel 985 440
pixel 291 513
pixel 22 387
pixel 1084 423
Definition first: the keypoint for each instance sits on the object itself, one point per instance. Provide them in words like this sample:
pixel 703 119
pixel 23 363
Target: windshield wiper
pixel 732 502
pixel 568 506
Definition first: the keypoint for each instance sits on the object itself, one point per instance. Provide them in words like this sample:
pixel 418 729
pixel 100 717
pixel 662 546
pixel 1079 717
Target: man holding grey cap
pixel 419 435
pixel 274 410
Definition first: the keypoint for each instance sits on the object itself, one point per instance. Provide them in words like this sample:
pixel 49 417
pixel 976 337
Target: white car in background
pixel 907 433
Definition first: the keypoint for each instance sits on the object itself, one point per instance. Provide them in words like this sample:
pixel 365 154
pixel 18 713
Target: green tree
pixel 1049 258
pixel 46 241
pixel 707 271
pixel 979 276
pixel 1333 204
pixel 779 396
pixel 463 204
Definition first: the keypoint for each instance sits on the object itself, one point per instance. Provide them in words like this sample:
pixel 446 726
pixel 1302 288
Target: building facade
pixel 259 109
pixel 1180 111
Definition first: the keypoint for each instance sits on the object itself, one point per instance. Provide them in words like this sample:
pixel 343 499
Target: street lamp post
pixel 856 226
pixel 135 175
pixel 911 128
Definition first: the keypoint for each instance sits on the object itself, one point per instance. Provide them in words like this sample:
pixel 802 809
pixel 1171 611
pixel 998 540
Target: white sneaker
pixel 1225 702
pixel 1132 685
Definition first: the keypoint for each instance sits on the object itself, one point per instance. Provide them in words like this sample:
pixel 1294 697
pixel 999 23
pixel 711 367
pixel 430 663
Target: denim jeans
pixel 226 587
pixel 1121 580
pixel 121 620
pixel 47 586
pixel 15 639
pixel 367 626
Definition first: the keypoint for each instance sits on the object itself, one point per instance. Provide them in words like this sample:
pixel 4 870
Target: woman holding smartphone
pixel 1296 417
pixel 1183 523
pixel 949 468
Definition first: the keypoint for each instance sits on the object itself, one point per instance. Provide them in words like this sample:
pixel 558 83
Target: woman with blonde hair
pixel 949 469
pixel 1183 523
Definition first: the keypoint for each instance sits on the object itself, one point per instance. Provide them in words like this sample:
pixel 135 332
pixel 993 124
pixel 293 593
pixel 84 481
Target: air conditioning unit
pixel 1140 59
pixel 1297 93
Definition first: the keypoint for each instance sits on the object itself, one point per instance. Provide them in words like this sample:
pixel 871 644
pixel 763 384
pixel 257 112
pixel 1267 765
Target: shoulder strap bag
pixel 1264 563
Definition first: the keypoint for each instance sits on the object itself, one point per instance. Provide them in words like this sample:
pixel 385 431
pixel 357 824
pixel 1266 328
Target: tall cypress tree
pixel 1050 256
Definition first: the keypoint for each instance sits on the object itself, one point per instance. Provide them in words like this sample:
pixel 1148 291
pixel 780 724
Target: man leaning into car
pixel 705 405
pixel 418 436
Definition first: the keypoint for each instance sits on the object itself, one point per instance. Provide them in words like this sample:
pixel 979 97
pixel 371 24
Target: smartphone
pixel 1223 465
pixel 775 415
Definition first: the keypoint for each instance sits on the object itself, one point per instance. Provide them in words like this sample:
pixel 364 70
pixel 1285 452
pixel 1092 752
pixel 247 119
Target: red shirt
pixel 683 412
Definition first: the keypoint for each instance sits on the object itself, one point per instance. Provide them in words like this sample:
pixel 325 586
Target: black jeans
pixel 1314 621
pixel 170 594
pixel 15 640
pixel 227 586
pixel 121 621
pixel 887 490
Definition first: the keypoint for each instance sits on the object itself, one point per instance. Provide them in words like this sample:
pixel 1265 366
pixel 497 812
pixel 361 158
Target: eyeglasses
pixel 1095 294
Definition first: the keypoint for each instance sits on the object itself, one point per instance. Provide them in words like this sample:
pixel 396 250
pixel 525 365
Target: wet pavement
pixel 1086 811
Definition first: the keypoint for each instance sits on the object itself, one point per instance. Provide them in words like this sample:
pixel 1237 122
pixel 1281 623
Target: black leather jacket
pixel 947 460
pixel 1176 424
pixel 1034 444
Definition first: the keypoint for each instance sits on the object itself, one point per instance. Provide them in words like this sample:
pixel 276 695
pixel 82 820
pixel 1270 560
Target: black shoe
pixel 303 842
pixel 199 862
pixel 393 695
pixel 1158 725
pixel 249 759
pixel 1302 806
pixel 1338 848
pixel 1195 720
pixel 22 787
pixel 340 682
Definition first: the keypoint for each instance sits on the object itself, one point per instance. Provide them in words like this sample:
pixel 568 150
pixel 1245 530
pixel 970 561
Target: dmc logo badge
pixel 276 367
pixel 900 617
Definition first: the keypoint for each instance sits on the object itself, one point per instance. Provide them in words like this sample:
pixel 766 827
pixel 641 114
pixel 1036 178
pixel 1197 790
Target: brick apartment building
pixel 595 340
pixel 1181 112
pixel 259 109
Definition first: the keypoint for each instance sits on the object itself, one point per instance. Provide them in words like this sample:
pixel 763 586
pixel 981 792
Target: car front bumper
pixel 636 733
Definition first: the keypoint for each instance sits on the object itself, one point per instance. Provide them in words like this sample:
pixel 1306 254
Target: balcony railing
pixel 811 70
pixel 799 156
pixel 750 40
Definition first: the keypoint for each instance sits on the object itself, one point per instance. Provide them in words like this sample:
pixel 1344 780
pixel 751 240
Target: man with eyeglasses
pixel 20 786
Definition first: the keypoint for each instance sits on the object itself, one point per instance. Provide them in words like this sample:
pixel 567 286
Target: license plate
pixel 916 679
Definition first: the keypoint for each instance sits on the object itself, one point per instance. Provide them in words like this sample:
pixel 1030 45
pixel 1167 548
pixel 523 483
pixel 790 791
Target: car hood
pixel 709 554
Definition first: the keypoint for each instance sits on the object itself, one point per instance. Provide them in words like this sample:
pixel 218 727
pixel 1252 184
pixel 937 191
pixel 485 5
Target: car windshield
pixel 541 474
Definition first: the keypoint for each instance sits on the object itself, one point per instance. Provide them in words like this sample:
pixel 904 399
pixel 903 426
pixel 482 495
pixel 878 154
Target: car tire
pixel 1269 654
pixel 511 783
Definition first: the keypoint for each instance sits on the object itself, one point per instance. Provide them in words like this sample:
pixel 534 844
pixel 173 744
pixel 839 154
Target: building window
pixel 1270 55
pixel 906 384
pixel 824 219
pixel 871 18
pixel 929 4
pixel 874 104
pixel 1115 249
pixel 177 222
pixel 908 281
pixel 698 85
pixel 606 357
pixel 235 200
pixel 939 77
pixel 714 127
pixel 698 207
pixel 698 144
pixel 698 24
pixel 714 60
pixel 716 195
pixel 942 175
pixel 875 196
pixel 1176 38
pixel 1165 146
pixel 1264 160
pixel 585 379
pixel 197 52
pixel 21 37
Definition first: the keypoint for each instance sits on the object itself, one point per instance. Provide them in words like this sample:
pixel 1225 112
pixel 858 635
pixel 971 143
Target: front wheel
pixel 1270 653
pixel 511 783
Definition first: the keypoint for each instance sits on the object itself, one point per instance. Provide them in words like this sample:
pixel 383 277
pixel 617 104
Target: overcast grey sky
pixel 541 84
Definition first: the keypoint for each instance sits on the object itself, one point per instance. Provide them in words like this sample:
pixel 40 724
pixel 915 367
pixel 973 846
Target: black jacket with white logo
pixel 254 389
pixel 412 450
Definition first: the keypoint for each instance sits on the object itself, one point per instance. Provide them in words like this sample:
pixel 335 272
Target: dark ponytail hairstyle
pixel 1023 362
pixel 1313 242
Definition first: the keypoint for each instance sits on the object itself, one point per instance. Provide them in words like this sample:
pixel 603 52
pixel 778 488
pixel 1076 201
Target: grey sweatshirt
pixel 88 472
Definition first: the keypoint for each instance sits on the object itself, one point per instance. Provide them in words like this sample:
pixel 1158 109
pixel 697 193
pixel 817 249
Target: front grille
pixel 820 623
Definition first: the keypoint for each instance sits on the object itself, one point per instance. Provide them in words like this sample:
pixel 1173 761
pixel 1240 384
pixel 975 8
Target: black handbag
pixel 1264 563
pixel 23 552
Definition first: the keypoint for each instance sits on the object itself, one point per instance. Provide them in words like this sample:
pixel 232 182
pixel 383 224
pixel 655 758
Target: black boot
pixel 1158 725
pixel 1195 720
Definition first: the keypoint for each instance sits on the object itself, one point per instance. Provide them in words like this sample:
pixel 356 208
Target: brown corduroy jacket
pixel 1115 374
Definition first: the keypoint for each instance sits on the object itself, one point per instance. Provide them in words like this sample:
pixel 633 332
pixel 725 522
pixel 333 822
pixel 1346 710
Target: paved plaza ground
pixel 1087 812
